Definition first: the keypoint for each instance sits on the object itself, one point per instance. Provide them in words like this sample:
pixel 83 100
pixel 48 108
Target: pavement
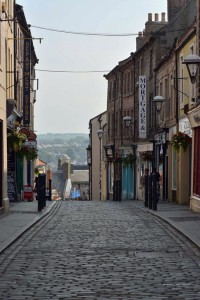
pixel 23 215
pixel 180 217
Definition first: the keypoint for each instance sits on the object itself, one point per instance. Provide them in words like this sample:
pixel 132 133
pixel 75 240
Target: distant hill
pixel 62 136
pixel 52 145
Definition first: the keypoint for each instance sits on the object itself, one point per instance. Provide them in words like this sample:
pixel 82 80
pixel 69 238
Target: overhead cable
pixel 161 32
pixel 68 71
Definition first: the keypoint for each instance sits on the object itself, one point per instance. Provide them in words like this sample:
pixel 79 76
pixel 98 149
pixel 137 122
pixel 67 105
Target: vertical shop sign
pixel 142 107
pixel 26 76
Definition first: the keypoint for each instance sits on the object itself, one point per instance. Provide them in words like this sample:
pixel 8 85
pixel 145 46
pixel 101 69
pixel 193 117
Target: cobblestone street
pixel 101 250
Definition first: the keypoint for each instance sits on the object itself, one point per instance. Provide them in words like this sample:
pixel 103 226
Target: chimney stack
pixel 174 7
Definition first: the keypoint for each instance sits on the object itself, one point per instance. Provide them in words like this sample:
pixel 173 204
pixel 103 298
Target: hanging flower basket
pixel 15 140
pixel 29 153
pixel 146 156
pixel 129 160
pixel 181 139
pixel 117 160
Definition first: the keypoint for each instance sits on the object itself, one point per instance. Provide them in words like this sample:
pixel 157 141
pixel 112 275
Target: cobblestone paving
pixel 101 250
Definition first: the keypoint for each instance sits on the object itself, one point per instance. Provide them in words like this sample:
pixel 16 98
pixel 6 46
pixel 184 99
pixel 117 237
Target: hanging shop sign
pixel 194 117
pixel 142 107
pixel 26 82
pixel 160 138
pixel 31 144
pixel 185 127
pixel 145 147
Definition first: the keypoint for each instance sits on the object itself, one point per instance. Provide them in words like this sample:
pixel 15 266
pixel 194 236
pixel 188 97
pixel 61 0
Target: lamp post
pixel 100 135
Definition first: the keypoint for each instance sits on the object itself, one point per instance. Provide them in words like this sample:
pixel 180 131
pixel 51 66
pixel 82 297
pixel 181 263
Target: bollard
pixel 50 182
pixel 154 191
pixel 146 190
pixel 150 191
pixel 41 191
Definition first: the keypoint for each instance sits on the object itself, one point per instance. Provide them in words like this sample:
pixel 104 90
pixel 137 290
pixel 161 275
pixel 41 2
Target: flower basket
pixel 181 139
pixel 15 140
pixel 117 160
pixel 29 153
pixel 146 156
pixel 129 160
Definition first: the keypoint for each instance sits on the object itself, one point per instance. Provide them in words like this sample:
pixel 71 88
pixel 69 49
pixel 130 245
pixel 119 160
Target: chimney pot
pixel 163 17
pixel 149 17
pixel 156 17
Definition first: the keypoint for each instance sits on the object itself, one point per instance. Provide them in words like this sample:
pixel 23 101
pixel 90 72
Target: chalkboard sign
pixel 12 190
pixel 11 161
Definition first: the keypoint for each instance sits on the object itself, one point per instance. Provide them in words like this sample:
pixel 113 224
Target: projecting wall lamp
pixel 158 100
pixel 192 62
pixel 127 121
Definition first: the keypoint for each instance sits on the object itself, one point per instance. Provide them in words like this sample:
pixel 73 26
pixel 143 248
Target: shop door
pixel 196 183
pixel 127 183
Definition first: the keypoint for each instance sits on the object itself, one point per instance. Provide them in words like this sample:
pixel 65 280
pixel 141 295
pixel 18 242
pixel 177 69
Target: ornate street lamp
pixel 127 121
pixel 192 62
pixel 158 100
pixel 100 133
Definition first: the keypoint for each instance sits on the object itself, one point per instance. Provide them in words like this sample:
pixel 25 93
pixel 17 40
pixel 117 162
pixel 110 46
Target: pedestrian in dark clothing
pixel 157 176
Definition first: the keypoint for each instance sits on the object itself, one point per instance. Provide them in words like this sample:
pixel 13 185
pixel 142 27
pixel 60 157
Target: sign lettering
pixel 142 107
pixel 26 82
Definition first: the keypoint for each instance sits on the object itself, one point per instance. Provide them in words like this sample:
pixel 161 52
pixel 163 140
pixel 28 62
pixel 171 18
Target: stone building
pixel 132 87
pixel 96 158
pixel 194 117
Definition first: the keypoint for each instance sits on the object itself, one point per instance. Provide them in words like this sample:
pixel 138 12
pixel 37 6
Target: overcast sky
pixel 67 101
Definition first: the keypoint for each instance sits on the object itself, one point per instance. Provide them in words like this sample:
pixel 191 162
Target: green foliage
pixel 129 160
pixel 51 146
pixel 29 153
pixel 182 140
pixel 15 140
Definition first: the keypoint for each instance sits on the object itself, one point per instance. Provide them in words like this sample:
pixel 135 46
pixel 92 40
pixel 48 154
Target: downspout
pixel 134 122
pixel 15 47
pixel 134 126
pixel 154 126
pixel 176 86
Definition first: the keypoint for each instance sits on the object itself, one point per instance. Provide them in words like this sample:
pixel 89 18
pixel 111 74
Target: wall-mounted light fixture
pixel 100 133
pixel 127 121
pixel 192 62
pixel 158 100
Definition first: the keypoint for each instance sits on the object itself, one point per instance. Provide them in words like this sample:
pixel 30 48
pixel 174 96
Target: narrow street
pixel 100 250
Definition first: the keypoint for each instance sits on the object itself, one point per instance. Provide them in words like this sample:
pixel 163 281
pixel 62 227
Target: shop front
pixel 144 153
pixel 194 117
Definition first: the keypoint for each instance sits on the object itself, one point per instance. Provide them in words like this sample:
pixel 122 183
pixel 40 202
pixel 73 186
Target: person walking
pixel 144 186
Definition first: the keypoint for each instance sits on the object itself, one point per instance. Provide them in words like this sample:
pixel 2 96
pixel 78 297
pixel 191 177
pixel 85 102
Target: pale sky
pixel 67 101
